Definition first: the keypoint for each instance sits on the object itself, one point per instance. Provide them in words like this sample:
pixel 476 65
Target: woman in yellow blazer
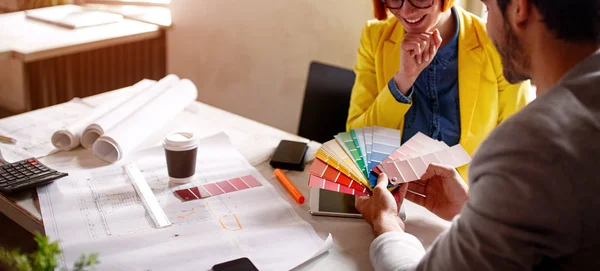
pixel 431 68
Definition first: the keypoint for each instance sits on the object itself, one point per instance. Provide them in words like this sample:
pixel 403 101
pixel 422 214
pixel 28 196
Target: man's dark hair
pixel 570 20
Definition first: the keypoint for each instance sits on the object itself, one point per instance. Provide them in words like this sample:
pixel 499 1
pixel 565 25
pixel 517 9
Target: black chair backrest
pixel 326 102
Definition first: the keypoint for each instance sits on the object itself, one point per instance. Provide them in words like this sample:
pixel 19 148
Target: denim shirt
pixel 435 107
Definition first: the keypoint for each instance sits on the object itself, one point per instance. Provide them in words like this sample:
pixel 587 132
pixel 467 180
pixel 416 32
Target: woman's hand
pixel 417 51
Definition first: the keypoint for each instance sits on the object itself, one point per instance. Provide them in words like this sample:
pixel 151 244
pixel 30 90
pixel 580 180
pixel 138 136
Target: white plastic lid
pixel 180 141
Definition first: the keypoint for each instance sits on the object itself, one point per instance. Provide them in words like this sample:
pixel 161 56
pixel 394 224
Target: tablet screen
pixel 334 202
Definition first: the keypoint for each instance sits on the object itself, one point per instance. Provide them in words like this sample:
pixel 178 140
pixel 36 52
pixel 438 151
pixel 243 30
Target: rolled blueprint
pixel 132 131
pixel 68 138
pixel 94 130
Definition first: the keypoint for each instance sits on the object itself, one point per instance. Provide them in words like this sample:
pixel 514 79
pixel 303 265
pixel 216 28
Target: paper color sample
pixel 338 154
pixel 333 162
pixel 368 131
pixel 218 188
pixel 385 142
pixel 325 171
pixel 410 170
pixel 347 143
pixel 317 182
pixel 416 146
pixel 359 139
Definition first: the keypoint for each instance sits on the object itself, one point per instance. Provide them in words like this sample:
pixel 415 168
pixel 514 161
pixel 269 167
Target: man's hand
pixel 381 209
pixel 417 52
pixel 441 190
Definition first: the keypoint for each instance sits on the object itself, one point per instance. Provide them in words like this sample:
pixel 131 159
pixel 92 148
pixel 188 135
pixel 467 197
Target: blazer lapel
pixel 470 59
pixel 391 52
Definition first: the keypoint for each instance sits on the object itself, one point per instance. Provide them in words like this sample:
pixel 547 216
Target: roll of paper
pixel 126 136
pixel 111 119
pixel 68 138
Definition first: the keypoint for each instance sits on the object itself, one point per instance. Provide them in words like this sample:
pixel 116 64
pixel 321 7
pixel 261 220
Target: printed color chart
pixel 351 162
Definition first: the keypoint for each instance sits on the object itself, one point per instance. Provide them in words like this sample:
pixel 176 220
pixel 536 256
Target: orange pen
pixel 289 186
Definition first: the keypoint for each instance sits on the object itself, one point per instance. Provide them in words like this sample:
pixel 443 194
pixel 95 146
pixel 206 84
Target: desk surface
pixel 31 40
pixel 160 16
pixel 348 254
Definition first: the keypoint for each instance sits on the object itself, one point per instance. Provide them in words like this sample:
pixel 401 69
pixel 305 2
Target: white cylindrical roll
pixel 111 119
pixel 128 134
pixel 68 138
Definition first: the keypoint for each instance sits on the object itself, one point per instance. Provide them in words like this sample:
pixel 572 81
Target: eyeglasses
pixel 397 4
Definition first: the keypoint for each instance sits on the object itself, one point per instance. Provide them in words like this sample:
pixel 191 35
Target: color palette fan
pixel 351 162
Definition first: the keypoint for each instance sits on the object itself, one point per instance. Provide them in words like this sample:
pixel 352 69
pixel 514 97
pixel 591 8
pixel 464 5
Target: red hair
pixel 381 11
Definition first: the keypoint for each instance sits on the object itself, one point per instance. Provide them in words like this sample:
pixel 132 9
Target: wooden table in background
pixel 42 64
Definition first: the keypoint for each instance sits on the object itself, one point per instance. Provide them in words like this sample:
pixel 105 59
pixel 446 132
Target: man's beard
pixel 515 62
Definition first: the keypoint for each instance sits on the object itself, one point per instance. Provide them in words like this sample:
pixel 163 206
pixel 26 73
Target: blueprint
pixel 96 209
pixel 34 129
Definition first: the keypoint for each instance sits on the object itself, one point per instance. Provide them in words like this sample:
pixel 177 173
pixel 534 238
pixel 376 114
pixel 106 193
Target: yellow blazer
pixel 485 97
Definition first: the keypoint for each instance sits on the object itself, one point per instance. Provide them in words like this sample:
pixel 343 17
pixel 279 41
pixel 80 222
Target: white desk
pixel 351 236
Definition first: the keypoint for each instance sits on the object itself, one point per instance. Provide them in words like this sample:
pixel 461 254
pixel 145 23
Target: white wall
pixel 251 57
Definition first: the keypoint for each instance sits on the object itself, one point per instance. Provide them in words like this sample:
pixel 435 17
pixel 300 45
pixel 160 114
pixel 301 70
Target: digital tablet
pixel 329 203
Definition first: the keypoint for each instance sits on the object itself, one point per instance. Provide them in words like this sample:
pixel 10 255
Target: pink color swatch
pixel 218 188
pixel 403 171
pixel 318 182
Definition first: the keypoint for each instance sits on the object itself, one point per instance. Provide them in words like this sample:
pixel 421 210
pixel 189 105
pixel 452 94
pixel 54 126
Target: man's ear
pixel 518 13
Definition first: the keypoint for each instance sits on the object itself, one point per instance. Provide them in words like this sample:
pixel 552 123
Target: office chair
pixel 326 102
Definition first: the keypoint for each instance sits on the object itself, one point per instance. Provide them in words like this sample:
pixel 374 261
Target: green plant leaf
pixel 45 258
pixel 15 260
pixel 86 262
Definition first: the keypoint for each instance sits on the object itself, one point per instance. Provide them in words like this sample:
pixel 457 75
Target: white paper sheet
pixel 73 17
pixel 254 140
pixel 68 137
pixel 109 121
pixel 128 134
pixel 324 248
pixel 97 210
pixel 33 130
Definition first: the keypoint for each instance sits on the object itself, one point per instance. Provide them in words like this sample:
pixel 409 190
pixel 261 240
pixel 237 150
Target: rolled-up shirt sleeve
pixel 396 251
pixel 405 99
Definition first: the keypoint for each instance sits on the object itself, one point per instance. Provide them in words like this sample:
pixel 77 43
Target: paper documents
pixel 69 136
pixel 97 210
pixel 128 134
pixel 34 129
pixel 109 119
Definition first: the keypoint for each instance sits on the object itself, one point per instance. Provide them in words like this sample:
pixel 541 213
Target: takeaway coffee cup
pixel 181 149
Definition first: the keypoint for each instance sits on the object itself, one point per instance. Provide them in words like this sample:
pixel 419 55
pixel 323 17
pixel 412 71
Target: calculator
pixel 26 174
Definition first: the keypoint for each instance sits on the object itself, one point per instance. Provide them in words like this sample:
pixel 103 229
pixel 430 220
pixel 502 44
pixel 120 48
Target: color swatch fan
pixel 351 162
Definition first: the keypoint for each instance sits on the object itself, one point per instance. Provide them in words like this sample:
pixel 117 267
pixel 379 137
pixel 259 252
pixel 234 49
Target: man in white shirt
pixel 533 201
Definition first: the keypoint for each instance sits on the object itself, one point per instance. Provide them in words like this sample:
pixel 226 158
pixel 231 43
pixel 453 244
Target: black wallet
pixel 289 155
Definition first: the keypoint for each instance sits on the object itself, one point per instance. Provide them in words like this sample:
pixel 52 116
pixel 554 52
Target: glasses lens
pixel 414 3
pixel 421 3
pixel 393 3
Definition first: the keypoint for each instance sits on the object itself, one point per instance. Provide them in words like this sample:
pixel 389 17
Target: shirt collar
pixel 449 51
